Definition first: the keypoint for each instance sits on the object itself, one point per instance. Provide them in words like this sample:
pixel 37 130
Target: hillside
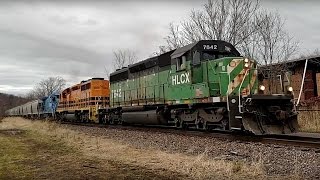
pixel 8 101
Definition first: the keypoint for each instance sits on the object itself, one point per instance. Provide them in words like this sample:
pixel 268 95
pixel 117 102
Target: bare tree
pixel 123 58
pixel 228 20
pixel 255 32
pixel 46 87
pixel 274 44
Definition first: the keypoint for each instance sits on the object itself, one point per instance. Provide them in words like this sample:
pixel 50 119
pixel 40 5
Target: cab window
pixel 208 55
pixel 213 55
pixel 181 63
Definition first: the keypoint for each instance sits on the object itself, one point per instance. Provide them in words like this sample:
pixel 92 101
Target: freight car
pixel 30 109
pixel 36 109
pixel 206 85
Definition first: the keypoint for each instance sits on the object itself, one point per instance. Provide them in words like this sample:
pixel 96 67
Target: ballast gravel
pixel 275 159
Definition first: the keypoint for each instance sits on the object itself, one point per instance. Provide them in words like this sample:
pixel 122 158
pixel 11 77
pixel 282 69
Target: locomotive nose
pixel 270 114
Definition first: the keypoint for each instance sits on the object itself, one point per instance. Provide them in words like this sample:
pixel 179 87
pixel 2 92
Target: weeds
pixel 237 166
pixel 309 120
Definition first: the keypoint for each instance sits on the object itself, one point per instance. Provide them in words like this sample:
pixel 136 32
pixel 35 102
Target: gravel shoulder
pixel 276 161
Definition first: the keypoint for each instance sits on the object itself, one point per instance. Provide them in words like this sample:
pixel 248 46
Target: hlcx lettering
pixel 180 79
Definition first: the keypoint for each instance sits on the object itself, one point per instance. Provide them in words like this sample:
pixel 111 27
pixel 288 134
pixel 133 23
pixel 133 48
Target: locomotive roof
pixel 165 58
pixel 53 94
pixel 220 46
pixel 120 74
pixel 119 71
pixel 161 60
pixel 84 81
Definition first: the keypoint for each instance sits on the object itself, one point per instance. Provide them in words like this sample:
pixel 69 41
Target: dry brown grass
pixel 26 153
pixel 309 121
pixel 102 148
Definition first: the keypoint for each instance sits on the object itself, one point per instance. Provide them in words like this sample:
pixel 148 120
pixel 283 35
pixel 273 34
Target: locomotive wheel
pixel 184 125
pixel 104 120
pixel 111 121
pixel 199 122
pixel 177 123
pixel 224 124
pixel 199 126
pixel 205 126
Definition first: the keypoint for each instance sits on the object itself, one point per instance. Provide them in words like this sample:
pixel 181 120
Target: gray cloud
pixel 74 39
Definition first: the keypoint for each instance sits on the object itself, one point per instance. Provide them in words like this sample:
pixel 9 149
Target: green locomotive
pixel 205 85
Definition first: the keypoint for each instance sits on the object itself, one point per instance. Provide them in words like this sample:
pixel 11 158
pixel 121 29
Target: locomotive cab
pixel 223 91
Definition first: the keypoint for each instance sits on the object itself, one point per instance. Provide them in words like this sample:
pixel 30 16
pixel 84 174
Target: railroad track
pixel 295 140
pixel 283 139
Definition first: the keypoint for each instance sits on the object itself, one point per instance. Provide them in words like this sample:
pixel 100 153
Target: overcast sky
pixel 75 39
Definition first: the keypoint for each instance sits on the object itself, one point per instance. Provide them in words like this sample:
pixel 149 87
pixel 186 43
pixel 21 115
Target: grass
pixel 22 153
pixel 12 155
pixel 309 120
pixel 45 150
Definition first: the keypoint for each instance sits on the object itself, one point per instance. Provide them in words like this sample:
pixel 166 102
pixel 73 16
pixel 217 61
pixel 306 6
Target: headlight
pixel 262 87
pixel 246 60
pixel 290 89
pixel 246 65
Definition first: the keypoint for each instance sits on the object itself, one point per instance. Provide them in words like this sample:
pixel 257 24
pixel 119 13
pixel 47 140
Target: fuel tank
pixel 151 117
pixel 70 117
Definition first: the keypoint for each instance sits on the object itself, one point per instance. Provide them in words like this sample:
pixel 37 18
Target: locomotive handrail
pixel 228 105
pixel 294 103
pixel 240 106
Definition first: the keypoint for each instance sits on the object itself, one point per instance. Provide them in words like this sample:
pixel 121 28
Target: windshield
pixel 213 55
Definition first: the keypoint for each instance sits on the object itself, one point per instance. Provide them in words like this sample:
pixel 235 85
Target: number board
pixel 215 47
pixel 210 47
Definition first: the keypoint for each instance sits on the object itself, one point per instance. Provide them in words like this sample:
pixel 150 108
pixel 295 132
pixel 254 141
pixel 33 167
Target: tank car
pixel 205 85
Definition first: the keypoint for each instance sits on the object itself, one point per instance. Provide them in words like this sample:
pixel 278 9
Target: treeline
pixel 8 101
pixel 44 88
